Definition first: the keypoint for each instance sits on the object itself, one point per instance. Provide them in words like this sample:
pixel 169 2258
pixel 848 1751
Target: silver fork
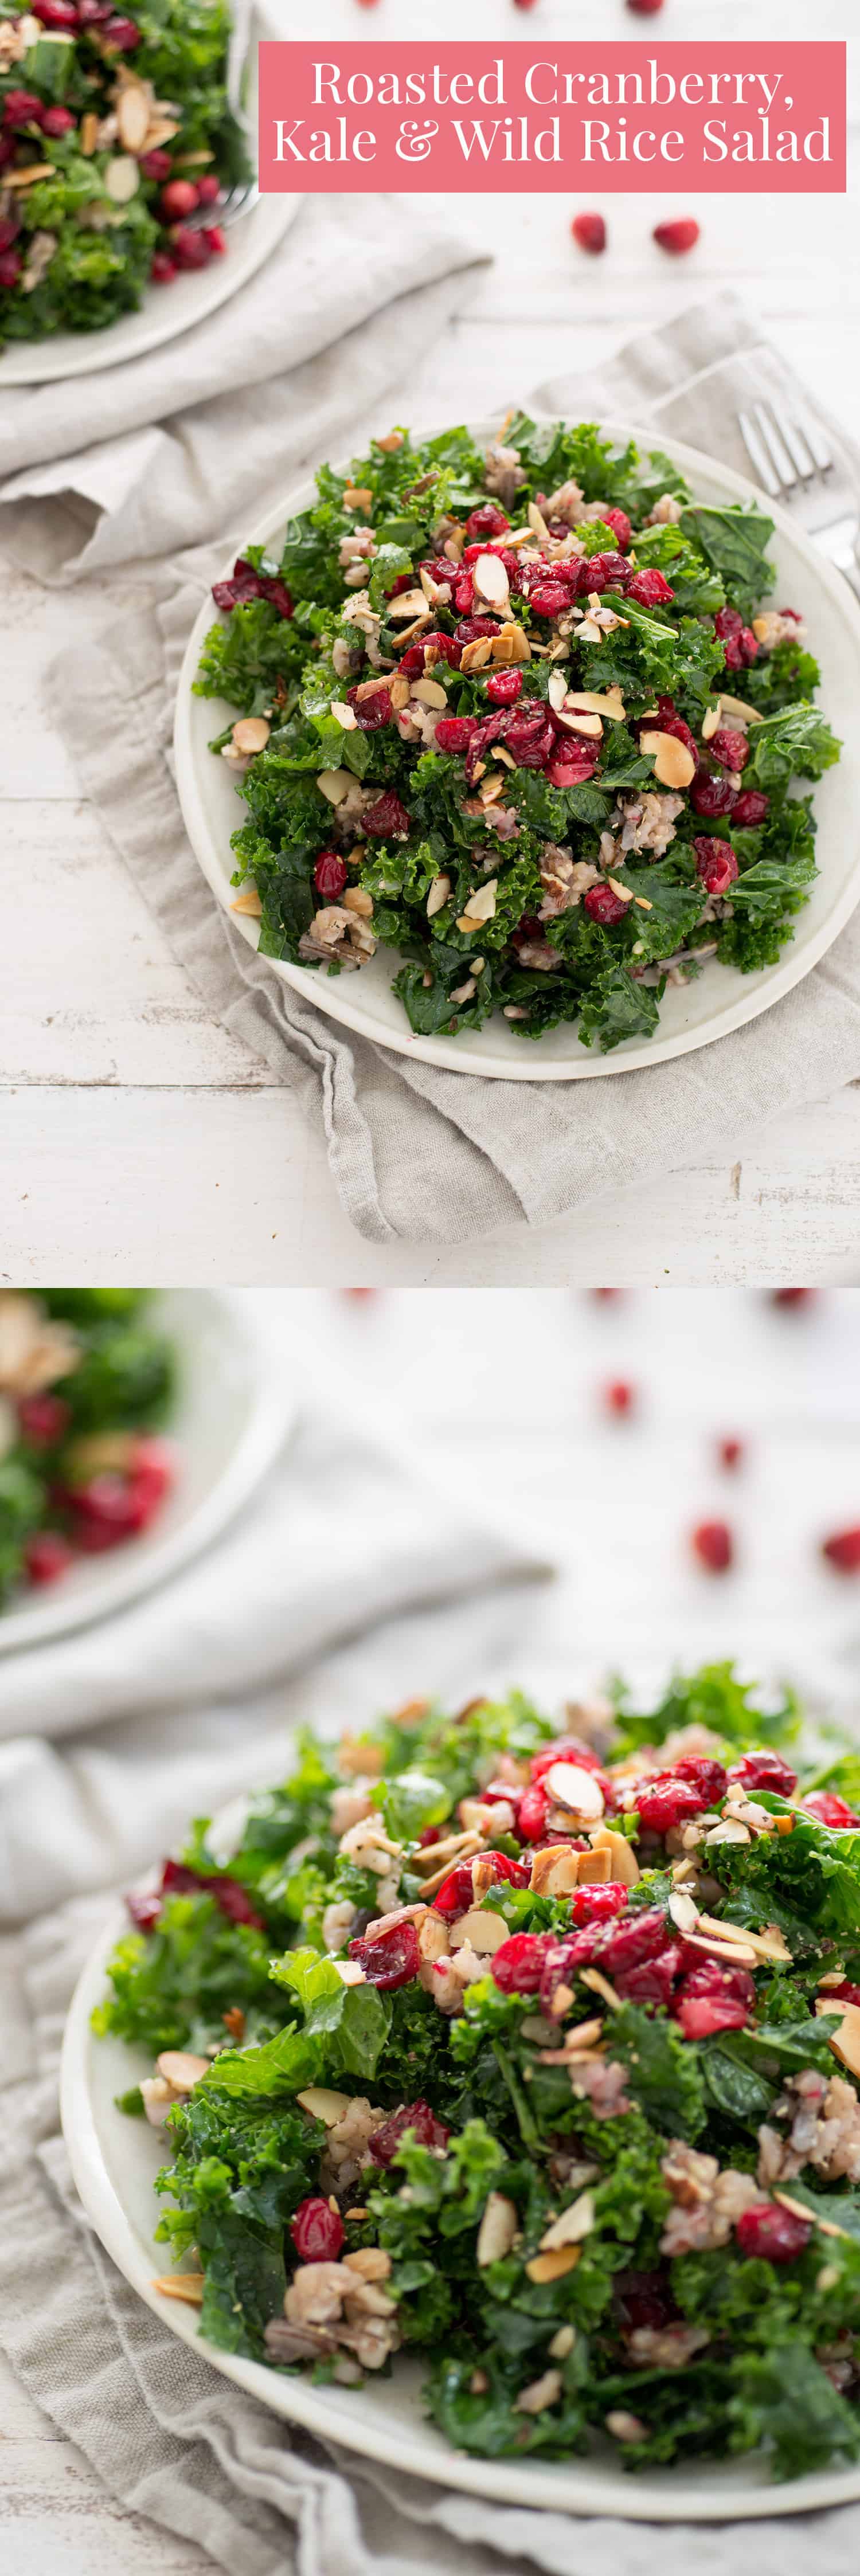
pixel 239 199
pixel 791 457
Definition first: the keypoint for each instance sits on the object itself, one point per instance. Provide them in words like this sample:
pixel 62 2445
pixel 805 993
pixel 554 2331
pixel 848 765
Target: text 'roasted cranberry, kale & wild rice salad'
pixel 521 716
pixel 534 2054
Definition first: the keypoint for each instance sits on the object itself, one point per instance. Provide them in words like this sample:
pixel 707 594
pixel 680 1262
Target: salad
pixel 83 1377
pixel 114 129
pixel 522 716
pixel 535 2054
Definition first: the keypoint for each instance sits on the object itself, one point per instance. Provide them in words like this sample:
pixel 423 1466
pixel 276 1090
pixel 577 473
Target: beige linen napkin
pixel 420 1154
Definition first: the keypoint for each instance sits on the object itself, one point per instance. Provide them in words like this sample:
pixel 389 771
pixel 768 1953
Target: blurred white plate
pixel 115 2159
pixel 236 1400
pixel 691 1015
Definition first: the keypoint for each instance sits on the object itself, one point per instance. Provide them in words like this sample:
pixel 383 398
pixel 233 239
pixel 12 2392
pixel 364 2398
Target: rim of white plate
pixel 387 2425
pixel 499 1056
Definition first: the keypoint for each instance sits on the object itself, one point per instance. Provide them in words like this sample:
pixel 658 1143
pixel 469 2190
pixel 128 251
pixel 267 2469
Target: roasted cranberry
pixel 650 588
pixel 532 1810
pixel 627 1944
pixel 470 628
pixel 329 875
pixel 387 819
pixel 144 1910
pixel 667 1801
pixel 710 1777
pixel 487 521
pixel 44 1420
pixel 549 599
pixel 651 1983
pixel 232 1899
pixel 244 584
pixel 208 189
pixel 564 1748
pixel 57 120
pixel 590 232
pixel 730 748
pixel 122 34
pixel 598 1904
pixel 712 1543
pixel 21 107
pixel 604 906
pixel 454 733
pixel 844 1993
pixel 603 572
pixel 712 795
pixel 503 687
pixel 317 2232
pixel 715 863
pixel 518 1965
pixel 843 1550
pixel 455 1894
pixel 713 1998
pixel 830 1809
pixel 564 1961
pixel 370 712
pixel 155 165
pixel 763 1769
pixel 46 1555
pixel 464 592
pixel 10 226
pixel 190 249
pixel 618 521
pixel 619 1396
pixel 680 235
pixel 739 640
pixel 162 269
pixel 392 1960
pixel 177 200
pixel 572 764
pixel 643 2298
pixel 730 1453
pixel 772 2232
pixel 447 648
pixel 55 13
pixel 429 2132
pixel 750 808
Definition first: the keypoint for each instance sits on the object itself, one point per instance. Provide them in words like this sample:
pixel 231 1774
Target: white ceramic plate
pixel 236 1400
pixel 115 2159
pixel 690 1016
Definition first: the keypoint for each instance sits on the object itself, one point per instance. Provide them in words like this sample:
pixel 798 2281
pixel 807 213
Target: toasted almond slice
pixel 554 1871
pixel 601 1986
pixel 588 633
pixel 497 2230
pixel 710 721
pixel 248 901
pixel 324 2105
pixel 573 2224
pixel 826 2226
pixel 357 497
pixel 181 2069
pixel 122 179
pixel 845 2042
pixel 537 524
pixel 335 784
pixel 482 1928
pixel 569 1786
pixel 769 1943
pixel 409 603
pixel 27 177
pixel 370 2262
pixel 134 111
pixel 683 1909
pixel 463 1850
pixel 182 2285
pixel 88 135
pixel 576 721
pixel 597 702
pixel 475 655
pixel 595 1868
pixel 399 691
pixel 551 2267
pixel 623 1862
pixel 356 899
pixel 731 1954
pixel 438 895
pixel 738 707
pixel 674 764
pixel 251 734
pixel 430 693
pixel 481 905
pixel 343 714
pixel 625 893
pixel 643 903
pixel 491 581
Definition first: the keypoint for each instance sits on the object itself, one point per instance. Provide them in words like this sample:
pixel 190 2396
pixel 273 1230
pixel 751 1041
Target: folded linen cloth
pixel 418 1153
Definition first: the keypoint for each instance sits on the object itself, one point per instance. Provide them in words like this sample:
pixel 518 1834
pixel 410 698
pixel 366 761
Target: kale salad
pixel 84 1378
pixel 114 130
pixel 521 716
pixel 534 2054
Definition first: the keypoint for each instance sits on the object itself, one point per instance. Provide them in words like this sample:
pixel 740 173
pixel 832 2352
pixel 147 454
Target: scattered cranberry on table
pixel 620 1397
pixel 843 1550
pixel 677 237
pixel 730 1453
pixel 590 232
pixel 712 1543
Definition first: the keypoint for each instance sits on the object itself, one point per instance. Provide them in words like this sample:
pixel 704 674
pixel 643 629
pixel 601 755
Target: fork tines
pixel 785 452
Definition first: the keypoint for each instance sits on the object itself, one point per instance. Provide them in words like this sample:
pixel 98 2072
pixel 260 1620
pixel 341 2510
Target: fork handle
pixel 846 563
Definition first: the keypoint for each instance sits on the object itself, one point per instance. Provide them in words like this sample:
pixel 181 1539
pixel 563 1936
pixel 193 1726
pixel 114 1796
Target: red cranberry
pixel 232 1899
pixel 549 599
pixel 730 1453
pixel 712 795
pixel 162 269
pixel 750 808
pixel 650 587
pixel 10 226
pixel 844 1993
pixel 709 1777
pixel 244 584
pixel 455 1894
pixel 671 722
pixel 713 1998
pixel 651 1983
pixel 843 1550
pixel 680 235
pixel 57 120
pixel 317 2232
pixel 830 1809
pixel 46 1555
pixel 590 232
pixel 775 2233
pixel 621 527
pixel 122 34
pixel 564 1748
pixel 793 1296
pixel 190 249
pixel 603 572
pixel 619 1396
pixel 503 688
pixel 667 1801
pixel 464 592
pixel 598 1904
pixel 373 711
pixel 564 1960
pixel 739 640
pixel 643 2298
pixel 715 863
pixel 387 819
pixel 627 1944
pixel 487 521
pixel 763 1769
pixel 429 2132
pixel 446 646
pixel 21 107
pixel 55 13
pixel 215 239
pixel 144 1911
pixel 431 1832
pixel 44 1420
pixel 518 1965
pixel 392 1960
pixel 729 747
pixel 454 733
pixel 208 189
pixel 470 628
pixel 532 1810
pixel 712 1543
pixel 110 1507
pixel 329 875
pixel 178 199
pixel 644 8
pixel 572 764
pixel 155 165
pixel 604 906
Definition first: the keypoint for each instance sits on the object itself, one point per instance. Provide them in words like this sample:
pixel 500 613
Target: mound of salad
pixel 84 1378
pixel 535 2054
pixel 114 129
pixel 522 716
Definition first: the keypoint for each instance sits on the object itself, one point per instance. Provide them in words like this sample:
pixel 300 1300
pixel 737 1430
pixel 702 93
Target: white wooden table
pixel 120 1094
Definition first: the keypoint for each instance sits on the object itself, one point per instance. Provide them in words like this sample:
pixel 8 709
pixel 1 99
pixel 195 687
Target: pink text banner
pixel 761 116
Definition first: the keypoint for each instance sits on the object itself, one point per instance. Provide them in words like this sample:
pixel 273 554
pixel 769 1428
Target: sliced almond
pixel 498 2228
pixel 370 2262
pixel 474 656
pixel 481 905
pixel 248 901
pixel 569 1786
pixel 623 892
pixel 554 1871
pixel 182 2285
pixel 251 734
pixel 343 715
pixel 356 899
pixel 491 581
pixel 357 497
pixel 683 1909
pixel 738 707
pixel 122 179
pixel 321 2104
pixel 595 1868
pixel 710 722
pixel 845 2042
pixel 674 764
pixel 624 1865
pixel 597 702
pixel 27 177
pixel 537 524
pixel 516 636
pixel 732 1954
pixel 600 1986
pixel 438 895
pixel 429 693
pixel 574 2223
pixel 484 1930
pixel 181 2069
pixel 409 603
pixel 88 135
pixel 769 1944
pixel 588 633
pixel 573 722
pixel 335 784
pixel 826 2226
pixel 134 111
pixel 551 2267
pixel 399 692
